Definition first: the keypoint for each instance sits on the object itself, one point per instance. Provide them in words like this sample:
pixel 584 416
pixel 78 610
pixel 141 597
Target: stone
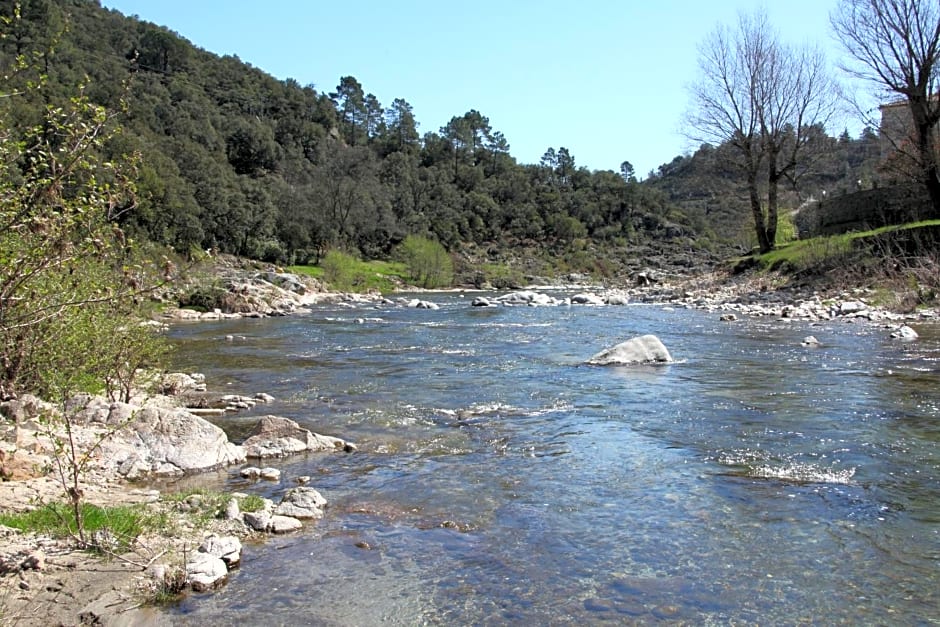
pixel 20 465
pixel 228 548
pixel 284 524
pixel 259 521
pixel 271 474
pixel 264 398
pixel 232 510
pixel 205 571
pixel 904 332
pixel 302 502
pixel 250 472
pixel 646 349
pixel 422 304
pixel 175 383
pixel 528 298
pixel 587 299
pixel 852 307
pixel 482 301
pixel 274 436
pixel 167 442
pixel 728 317
pixel 36 560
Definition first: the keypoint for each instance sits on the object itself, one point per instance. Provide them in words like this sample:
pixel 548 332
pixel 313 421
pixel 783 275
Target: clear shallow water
pixel 499 481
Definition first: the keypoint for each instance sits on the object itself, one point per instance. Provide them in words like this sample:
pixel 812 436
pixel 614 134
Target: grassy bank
pixel 900 263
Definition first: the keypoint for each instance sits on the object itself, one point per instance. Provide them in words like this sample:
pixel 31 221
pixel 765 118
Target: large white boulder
pixel 646 349
pixel 162 441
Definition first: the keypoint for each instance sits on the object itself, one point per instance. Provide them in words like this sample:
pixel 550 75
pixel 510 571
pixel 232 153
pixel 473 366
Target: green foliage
pixel 70 277
pixel 502 277
pixel 251 503
pixel 116 526
pixel 429 264
pixel 826 252
pixel 236 161
pixel 204 297
pixel 341 270
pixel 344 272
pixel 786 229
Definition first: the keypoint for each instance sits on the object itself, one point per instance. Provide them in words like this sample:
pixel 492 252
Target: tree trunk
pixel 759 227
pixel 773 186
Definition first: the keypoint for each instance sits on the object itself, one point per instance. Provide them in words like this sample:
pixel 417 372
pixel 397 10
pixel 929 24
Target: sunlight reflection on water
pixel 500 481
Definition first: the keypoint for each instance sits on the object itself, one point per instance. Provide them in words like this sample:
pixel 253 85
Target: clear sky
pixel 604 78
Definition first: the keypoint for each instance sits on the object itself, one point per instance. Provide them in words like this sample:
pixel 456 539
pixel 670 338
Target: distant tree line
pixel 234 160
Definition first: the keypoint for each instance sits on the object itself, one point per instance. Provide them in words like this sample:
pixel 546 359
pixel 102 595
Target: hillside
pixel 234 160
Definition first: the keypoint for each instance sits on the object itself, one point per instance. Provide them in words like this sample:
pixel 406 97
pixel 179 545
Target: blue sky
pixel 605 78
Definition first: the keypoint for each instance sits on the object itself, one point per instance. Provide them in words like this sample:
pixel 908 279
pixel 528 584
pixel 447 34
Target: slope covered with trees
pixel 234 160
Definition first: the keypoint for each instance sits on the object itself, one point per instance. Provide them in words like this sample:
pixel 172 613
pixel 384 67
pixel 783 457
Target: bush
pixel 428 264
pixel 339 270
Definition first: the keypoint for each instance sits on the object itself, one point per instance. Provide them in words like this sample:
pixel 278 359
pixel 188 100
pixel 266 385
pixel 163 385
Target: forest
pixel 231 159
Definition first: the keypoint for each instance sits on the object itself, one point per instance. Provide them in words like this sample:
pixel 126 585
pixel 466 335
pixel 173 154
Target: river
pixel 500 481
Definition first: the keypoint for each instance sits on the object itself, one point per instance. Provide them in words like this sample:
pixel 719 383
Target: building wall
pixel 864 210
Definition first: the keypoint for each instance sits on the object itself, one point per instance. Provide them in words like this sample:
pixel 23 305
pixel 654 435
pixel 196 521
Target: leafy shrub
pixel 429 264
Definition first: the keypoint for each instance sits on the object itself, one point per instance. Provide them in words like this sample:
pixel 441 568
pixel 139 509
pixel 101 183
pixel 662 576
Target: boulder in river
pixel 302 502
pixel 646 349
pixel 274 436
pixel 904 332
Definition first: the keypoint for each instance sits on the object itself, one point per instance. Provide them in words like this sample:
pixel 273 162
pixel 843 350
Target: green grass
pixel 345 273
pixel 251 503
pixel 125 522
pixel 200 504
pixel 807 253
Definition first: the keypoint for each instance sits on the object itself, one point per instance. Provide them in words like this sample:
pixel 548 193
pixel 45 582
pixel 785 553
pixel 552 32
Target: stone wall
pixel 861 211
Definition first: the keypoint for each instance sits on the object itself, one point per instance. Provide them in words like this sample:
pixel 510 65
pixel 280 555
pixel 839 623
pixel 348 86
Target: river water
pixel 500 481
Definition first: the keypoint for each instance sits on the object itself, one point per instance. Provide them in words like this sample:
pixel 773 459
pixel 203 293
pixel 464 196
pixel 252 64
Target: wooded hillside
pixel 235 160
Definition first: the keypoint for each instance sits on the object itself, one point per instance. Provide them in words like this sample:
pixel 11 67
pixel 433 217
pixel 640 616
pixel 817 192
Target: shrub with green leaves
pixel 429 264
pixel 70 278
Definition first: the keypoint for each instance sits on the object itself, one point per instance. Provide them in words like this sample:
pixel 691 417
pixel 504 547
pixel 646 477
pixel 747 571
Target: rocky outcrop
pixel 164 442
pixel 274 436
pixel 176 383
pixel 646 349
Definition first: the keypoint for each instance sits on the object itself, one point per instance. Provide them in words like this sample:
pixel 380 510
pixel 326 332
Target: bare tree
pixel 895 44
pixel 763 99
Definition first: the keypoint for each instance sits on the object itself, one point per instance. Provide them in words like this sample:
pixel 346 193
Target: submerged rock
pixel 646 349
